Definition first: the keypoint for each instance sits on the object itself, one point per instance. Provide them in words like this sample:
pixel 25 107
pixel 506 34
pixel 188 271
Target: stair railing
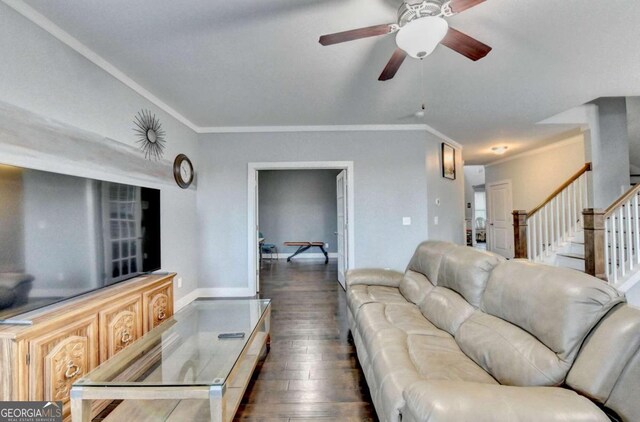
pixel 541 231
pixel 612 239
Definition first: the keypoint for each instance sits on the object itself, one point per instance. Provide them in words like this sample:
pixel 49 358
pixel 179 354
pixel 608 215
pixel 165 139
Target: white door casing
pixel 256 225
pixel 341 231
pixel 500 218
pixel 252 214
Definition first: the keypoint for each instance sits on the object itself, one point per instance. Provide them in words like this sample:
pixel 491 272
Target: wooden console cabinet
pixel 68 339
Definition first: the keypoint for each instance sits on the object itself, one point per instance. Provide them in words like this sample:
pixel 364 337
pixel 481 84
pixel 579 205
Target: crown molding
pixel 43 22
pixel 66 38
pixel 329 128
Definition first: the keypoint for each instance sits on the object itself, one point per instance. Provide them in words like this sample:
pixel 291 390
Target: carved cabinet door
pixel 157 305
pixel 60 357
pixel 120 326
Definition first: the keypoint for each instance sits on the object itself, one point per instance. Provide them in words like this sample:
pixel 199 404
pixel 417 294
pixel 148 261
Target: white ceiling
pixel 258 63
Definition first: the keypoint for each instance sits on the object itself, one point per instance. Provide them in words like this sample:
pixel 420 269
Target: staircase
pixel 571 254
pixel 552 232
pixel 563 232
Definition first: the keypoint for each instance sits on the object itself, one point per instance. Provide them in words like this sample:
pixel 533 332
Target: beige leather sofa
pixel 464 335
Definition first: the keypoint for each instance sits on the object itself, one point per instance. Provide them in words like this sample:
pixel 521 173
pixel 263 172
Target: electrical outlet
pixel 179 282
pixel 326 246
pixel 406 221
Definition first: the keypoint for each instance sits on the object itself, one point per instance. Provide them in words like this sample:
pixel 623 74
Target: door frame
pixel 252 234
pixel 488 187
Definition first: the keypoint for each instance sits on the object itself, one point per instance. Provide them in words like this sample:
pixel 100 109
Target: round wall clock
pixel 150 134
pixel 183 171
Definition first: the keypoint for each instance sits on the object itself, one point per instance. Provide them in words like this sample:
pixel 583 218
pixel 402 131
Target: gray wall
pixel 608 150
pixel 298 205
pixel 12 227
pixel 535 175
pixel 397 174
pixel 42 75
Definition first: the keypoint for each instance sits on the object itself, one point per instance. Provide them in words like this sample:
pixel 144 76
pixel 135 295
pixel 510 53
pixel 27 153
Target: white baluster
pixel 621 258
pixel 614 252
pixel 607 246
pixel 636 226
pixel 529 248
pixel 564 213
pixel 585 196
pixel 629 242
pixel 546 231
pixel 554 243
pixel 583 182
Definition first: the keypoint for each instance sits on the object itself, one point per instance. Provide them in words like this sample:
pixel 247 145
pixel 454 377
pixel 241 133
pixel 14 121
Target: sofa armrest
pixel 439 401
pixel 374 277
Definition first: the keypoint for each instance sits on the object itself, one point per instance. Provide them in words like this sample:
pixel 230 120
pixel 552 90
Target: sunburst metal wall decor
pixel 150 134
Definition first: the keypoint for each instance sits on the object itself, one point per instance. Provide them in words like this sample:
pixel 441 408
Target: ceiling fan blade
pixel 356 34
pixel 393 65
pixel 458 6
pixel 465 45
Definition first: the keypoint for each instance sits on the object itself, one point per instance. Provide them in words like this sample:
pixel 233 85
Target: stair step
pixel 572 255
pixel 570 260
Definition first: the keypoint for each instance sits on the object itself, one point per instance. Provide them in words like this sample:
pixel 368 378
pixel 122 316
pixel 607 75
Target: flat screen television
pixel 62 236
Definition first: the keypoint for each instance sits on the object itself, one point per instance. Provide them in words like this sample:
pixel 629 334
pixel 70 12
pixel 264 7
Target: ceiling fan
pixel 421 27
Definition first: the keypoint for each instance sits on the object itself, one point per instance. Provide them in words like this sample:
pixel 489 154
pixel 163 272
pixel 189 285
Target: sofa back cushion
pixel 415 286
pixel 466 271
pixel 462 269
pixel 446 309
pixel 541 316
pixel 607 368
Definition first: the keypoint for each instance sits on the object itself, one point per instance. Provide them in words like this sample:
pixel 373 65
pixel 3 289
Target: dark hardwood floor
pixel 312 372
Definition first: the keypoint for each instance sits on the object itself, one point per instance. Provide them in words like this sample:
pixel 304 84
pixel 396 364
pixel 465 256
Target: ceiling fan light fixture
pixel 420 37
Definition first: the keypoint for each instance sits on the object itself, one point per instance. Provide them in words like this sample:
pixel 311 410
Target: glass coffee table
pixel 181 370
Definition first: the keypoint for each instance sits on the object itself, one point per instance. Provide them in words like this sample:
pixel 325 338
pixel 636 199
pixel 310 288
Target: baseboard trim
pixel 212 292
pixel 226 292
pixel 301 256
pixel 186 299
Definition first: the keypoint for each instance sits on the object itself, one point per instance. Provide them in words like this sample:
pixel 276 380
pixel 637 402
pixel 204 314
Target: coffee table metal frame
pixel 82 395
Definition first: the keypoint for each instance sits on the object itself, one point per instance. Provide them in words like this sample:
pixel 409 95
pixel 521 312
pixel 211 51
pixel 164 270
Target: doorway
pixel 342 235
pixel 500 218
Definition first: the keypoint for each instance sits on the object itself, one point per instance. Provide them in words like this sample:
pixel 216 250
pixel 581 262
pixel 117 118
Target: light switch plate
pixel 435 220
pixel 406 221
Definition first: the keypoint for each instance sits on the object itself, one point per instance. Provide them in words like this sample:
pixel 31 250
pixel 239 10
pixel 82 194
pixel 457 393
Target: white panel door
pixel 256 225
pixel 500 219
pixel 341 195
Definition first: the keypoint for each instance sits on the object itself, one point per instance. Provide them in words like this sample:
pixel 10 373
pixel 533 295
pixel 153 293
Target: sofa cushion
pixel 510 354
pixel 466 271
pixel 360 295
pixel 400 360
pixel 559 306
pixel 446 309
pixel 410 320
pixel 415 286
pixel 427 258
pixel 606 355
pixel 440 358
pixel 380 323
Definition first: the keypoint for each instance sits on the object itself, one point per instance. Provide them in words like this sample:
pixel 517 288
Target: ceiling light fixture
pixel 420 37
pixel 499 150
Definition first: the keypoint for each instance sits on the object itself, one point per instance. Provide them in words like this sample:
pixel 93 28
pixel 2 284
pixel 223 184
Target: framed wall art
pixel 448 162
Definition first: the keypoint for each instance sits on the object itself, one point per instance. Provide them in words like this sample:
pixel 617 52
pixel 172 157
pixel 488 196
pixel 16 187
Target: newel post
pixel 594 242
pixel 520 233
